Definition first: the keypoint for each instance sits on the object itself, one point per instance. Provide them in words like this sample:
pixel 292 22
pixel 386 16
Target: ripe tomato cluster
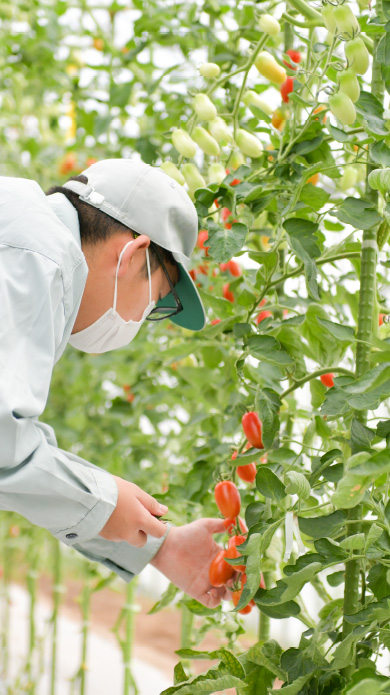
pixel 228 500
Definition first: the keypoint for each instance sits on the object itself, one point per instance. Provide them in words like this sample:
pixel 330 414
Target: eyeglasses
pixel 159 313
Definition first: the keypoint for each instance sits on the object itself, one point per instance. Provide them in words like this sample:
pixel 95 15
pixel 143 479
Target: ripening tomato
pixel 14 531
pixel 243 581
pixel 278 120
pixel 228 499
pixel 215 321
pixel 295 57
pixel 263 301
pixel 381 319
pixel 327 379
pixel 90 161
pixel 263 315
pixel 98 44
pixel 247 473
pixel 68 163
pixel 130 397
pixel 286 88
pixel 228 294
pixel 233 268
pixel 252 427
pixel 320 108
pixel 270 68
pixel 236 595
pixel 202 237
pixel 231 553
pixel 313 179
pixel 219 570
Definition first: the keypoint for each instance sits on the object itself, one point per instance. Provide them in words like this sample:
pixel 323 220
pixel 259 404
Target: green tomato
pixel 346 22
pixel 193 177
pixel 327 12
pixel 209 70
pixel 269 25
pixel 205 141
pixel 349 178
pixel 183 143
pixel 342 107
pixel 220 131
pixel 249 144
pixel 251 97
pixel 171 169
pixel 349 84
pixel 357 56
pixel 379 180
pixel 204 108
pixel 216 173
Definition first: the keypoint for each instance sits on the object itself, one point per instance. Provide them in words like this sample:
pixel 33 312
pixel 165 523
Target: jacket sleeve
pixel 70 498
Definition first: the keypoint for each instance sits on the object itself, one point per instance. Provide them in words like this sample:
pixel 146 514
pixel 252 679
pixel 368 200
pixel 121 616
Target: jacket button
pixel 71 535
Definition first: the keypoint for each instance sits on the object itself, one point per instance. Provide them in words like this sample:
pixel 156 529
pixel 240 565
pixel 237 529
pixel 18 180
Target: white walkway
pixel 105 675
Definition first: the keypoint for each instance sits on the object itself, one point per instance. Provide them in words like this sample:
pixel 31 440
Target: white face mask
pixel 111 331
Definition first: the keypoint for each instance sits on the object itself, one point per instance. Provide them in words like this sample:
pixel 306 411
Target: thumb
pixel 151 504
pixel 214 525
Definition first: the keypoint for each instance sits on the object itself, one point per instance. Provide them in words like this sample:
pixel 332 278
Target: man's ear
pixel 140 242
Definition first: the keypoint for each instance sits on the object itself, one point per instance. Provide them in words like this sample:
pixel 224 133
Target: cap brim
pixel 193 315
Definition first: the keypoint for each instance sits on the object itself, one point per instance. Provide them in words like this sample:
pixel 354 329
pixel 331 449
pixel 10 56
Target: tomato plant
pixel 297 193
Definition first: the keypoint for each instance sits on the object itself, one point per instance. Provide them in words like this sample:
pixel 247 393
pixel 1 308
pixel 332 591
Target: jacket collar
pixel 65 211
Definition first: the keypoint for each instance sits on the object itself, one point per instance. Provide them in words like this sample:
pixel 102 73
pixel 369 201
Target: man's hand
pixel 185 557
pixel 132 519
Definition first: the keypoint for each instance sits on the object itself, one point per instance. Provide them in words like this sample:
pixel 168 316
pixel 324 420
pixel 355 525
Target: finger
pixel 151 504
pixel 152 526
pixel 214 525
pixel 210 599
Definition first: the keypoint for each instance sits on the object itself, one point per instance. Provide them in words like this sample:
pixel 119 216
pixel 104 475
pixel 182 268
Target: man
pixel 88 264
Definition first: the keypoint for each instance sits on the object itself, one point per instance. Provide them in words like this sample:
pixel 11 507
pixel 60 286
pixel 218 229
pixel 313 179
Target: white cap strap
pixel 86 192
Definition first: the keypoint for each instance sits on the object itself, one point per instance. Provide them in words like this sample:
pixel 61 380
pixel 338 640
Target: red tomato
pixel 202 269
pixel 202 237
pixel 228 499
pixel 227 293
pixel 381 319
pixel 126 387
pixel 219 570
pixel 252 427
pixel 263 315
pixel 295 57
pixel 228 225
pixel 236 595
pixel 235 182
pixel 261 585
pixel 263 301
pixel 216 203
pixel 232 267
pixel 327 379
pixel 215 321
pixel 286 89
pixel 232 551
pixel 313 179
pixel 225 213
pixel 230 525
pixel 247 473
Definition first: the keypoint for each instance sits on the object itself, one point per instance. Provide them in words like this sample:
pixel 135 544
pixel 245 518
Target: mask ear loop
pixel 149 275
pixel 117 271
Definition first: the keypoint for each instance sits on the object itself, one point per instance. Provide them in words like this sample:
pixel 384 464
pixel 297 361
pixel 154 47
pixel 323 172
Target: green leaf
pixel 380 152
pixel 320 526
pixel 375 466
pixel 266 347
pixel 225 243
pixel 313 196
pixel 357 212
pixel 344 653
pixel 120 93
pixel 383 51
pixel 304 244
pixel 361 436
pixel 294 688
pixel 281 611
pixel 267 406
pixel 165 599
pixel 355 542
pixel 340 332
pixel 373 535
pixel 350 491
pixel 208 685
pixel 179 674
pixel 298 484
pixel 257 655
pixel 269 484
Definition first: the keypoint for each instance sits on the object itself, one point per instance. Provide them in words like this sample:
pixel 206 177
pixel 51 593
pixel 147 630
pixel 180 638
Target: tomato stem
pixel 314 375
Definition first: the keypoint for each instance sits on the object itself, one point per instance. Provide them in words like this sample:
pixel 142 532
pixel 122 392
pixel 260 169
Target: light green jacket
pixel 42 278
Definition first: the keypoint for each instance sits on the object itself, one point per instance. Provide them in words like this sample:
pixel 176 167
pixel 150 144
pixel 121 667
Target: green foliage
pixel 166 411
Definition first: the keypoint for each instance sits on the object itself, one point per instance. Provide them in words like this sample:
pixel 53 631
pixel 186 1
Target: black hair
pixel 97 226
